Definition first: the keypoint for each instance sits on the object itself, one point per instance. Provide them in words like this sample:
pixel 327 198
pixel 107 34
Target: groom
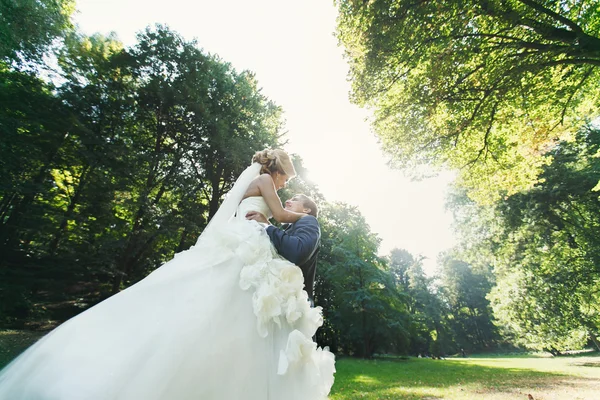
pixel 298 242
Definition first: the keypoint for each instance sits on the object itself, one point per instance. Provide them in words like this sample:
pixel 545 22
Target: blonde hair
pixel 274 161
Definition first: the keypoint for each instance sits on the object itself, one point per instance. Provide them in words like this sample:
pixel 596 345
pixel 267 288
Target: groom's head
pixel 302 204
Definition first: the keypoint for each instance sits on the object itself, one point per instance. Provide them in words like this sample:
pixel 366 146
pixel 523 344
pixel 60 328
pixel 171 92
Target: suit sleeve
pixel 298 247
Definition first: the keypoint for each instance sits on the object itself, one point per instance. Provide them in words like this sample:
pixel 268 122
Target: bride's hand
pixel 256 216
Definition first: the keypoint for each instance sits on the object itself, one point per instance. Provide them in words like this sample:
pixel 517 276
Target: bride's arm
pixel 267 191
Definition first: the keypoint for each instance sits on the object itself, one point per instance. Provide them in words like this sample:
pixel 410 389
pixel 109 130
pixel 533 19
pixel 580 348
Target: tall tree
pixel 35 126
pixel 482 86
pixel 465 289
pixel 363 311
pixel 544 250
pixel 106 176
pixel 28 27
pixel 427 328
pixel 554 252
pixel 198 124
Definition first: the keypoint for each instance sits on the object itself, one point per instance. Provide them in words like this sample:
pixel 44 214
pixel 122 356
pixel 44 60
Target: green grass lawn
pixel 481 378
pixel 471 378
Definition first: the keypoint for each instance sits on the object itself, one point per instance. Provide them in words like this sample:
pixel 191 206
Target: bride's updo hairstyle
pixel 274 161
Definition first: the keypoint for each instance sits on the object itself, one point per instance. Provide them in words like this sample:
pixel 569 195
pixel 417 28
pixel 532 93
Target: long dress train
pixel 226 319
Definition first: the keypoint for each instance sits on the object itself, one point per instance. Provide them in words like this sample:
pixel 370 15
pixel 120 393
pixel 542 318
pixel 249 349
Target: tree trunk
pixel 5 206
pixel 69 213
pixel 124 264
pixel 595 341
pixel 214 201
pixel 366 342
pixel 182 240
pixel 8 230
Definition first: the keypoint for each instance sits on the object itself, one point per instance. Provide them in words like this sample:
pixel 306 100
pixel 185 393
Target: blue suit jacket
pixel 299 243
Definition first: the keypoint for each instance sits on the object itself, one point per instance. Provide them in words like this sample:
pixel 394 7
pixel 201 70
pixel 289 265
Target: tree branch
pixel 577 87
pixel 538 7
pixel 572 61
pixel 486 137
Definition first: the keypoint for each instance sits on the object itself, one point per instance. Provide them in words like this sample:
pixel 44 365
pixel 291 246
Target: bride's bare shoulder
pixel 254 187
pixel 261 180
pixel 264 178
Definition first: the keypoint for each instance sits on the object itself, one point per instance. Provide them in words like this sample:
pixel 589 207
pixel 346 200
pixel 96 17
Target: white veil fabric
pixel 229 206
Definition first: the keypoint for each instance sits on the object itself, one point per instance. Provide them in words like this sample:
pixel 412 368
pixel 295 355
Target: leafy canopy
pixel 28 27
pixel 482 86
pixel 545 250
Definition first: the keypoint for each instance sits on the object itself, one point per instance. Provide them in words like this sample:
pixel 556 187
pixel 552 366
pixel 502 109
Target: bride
pixel 227 319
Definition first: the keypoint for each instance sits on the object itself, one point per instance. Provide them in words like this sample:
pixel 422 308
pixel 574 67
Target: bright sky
pixel 291 47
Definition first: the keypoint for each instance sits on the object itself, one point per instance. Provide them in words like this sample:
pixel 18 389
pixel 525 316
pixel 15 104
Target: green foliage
pixel 105 177
pixel 484 87
pixel 28 27
pixel 425 309
pixel 554 252
pixel 545 251
pixel 447 313
pixel 364 313
pixel 464 289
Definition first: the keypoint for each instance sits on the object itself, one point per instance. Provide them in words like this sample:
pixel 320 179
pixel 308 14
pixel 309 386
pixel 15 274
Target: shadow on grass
pixel 527 354
pixel 583 354
pixel 434 379
pixel 586 363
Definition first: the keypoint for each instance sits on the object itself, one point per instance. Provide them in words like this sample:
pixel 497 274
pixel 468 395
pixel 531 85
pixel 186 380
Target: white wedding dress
pixel 227 319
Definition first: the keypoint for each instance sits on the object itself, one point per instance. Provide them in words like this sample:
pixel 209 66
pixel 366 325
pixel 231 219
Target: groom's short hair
pixel 307 202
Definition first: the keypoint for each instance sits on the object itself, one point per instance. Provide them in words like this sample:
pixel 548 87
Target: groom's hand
pixel 258 217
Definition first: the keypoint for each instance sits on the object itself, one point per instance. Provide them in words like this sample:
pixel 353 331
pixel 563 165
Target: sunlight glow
pixel 291 48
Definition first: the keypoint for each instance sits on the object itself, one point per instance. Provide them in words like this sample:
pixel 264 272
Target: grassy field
pixel 493 378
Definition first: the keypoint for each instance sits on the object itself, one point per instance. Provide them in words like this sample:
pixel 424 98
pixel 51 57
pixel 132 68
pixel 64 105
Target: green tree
pixel 363 311
pixel 28 27
pixel 464 289
pixel 486 87
pixel 196 127
pixel 552 252
pixel 105 177
pixel 34 127
pixel 427 328
pixel 544 251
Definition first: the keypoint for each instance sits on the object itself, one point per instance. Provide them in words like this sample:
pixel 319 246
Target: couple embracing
pixel 230 318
